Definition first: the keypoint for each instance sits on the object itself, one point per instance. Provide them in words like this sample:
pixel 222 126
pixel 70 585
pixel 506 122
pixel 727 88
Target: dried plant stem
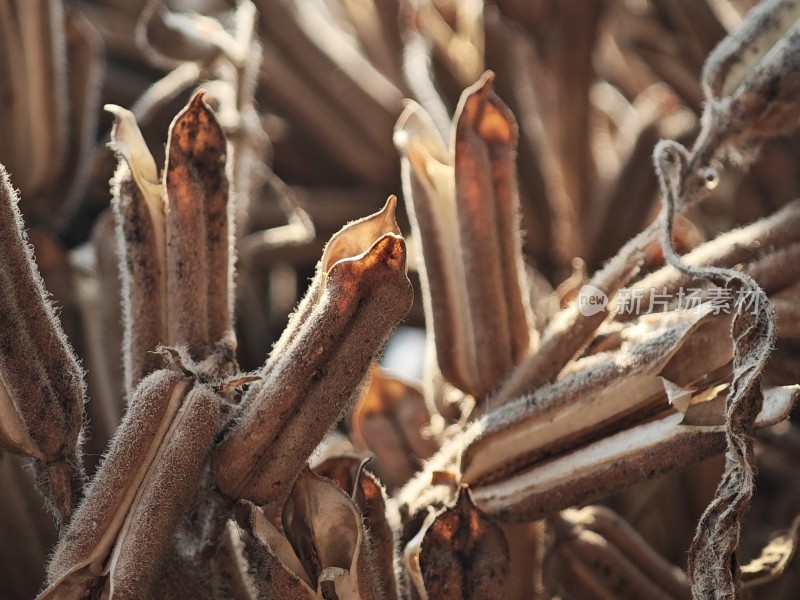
pixel 713 567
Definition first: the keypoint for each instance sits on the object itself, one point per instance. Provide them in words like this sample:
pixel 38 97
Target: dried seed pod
pixel 731 61
pixel 153 467
pixel 390 419
pixel 462 553
pixel 598 469
pixel 380 520
pixel 595 552
pixel 751 83
pixel 146 537
pixel 173 37
pixel 175 239
pixel 198 270
pixel 139 212
pixel 33 45
pixel 41 382
pixel 326 551
pixel 359 294
pixel 571 329
pixel 587 403
pixel 463 208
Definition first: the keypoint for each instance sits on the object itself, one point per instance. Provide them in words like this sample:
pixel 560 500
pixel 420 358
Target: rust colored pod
pixel 360 294
pixel 198 270
pixel 463 205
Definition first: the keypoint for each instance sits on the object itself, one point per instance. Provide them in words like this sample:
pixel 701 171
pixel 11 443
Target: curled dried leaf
pixel 326 551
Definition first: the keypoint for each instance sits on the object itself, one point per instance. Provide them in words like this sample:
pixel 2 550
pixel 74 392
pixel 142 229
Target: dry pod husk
pixel 153 467
pixel 615 462
pixel 358 296
pixel 391 420
pixel 51 60
pixel 41 382
pixel 325 550
pixel 464 210
pixel 750 79
pixel 459 553
pixel 596 553
pixel 175 239
pixel 750 82
pixel 581 405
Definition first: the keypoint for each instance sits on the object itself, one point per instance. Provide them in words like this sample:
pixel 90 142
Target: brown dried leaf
pixel 274 567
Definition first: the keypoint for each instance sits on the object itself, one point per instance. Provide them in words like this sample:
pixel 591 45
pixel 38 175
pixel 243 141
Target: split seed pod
pixel 326 550
pixel 152 471
pixel 41 382
pixel 174 238
pixel 464 210
pixel 359 295
pixel 389 419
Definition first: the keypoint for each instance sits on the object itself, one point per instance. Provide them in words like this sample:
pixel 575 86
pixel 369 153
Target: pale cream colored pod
pixel 138 204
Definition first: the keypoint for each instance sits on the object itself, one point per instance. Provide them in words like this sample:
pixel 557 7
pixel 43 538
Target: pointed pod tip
pixel 390 208
pixel 198 99
pixel 114 109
